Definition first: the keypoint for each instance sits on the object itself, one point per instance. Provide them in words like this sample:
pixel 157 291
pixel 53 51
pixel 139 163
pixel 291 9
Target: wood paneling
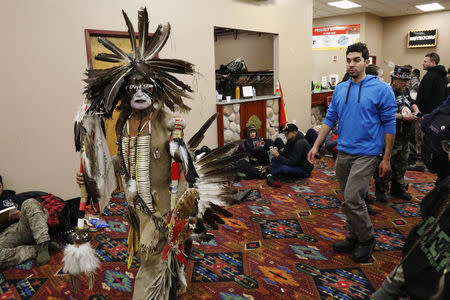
pixel 249 109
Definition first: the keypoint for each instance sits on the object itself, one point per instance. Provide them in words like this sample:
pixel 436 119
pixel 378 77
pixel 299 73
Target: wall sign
pixel 422 38
pixel 335 37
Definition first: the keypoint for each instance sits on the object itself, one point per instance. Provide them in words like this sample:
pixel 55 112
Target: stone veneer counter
pixel 229 122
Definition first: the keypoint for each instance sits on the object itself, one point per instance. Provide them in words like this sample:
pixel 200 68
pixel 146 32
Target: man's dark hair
pixel 372 70
pixel 434 57
pixel 1 180
pixel 358 47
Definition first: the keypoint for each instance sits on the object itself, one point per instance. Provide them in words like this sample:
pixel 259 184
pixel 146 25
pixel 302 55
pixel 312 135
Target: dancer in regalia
pixel 169 194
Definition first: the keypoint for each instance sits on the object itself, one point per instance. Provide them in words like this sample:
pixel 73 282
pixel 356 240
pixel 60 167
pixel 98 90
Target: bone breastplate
pixel 136 162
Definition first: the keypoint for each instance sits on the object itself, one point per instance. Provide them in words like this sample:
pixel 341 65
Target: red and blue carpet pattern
pixel 277 245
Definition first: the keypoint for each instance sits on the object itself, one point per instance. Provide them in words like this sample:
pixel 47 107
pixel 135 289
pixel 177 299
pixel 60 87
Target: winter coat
pixel 295 153
pixel 433 89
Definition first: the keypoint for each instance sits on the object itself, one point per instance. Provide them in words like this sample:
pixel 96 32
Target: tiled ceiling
pixel 382 8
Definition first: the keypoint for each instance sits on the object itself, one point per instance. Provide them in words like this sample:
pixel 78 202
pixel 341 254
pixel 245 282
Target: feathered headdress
pixel 105 87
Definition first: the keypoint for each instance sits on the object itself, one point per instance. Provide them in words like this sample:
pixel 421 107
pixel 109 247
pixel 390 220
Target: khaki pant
pixel 15 241
pixel 353 173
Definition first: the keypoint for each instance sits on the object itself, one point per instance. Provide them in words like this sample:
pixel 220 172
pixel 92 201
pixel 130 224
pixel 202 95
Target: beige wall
pixel 386 39
pixel 396 33
pixel 322 62
pixel 374 37
pixel 256 51
pixel 44 57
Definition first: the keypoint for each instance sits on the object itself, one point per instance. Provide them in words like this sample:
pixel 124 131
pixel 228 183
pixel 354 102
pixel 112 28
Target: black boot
pixel 400 192
pixel 402 195
pixel 381 197
pixel 364 250
pixel 346 245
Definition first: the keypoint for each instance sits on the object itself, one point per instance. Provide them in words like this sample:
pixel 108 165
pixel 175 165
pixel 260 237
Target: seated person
pixel 24 226
pixel 258 150
pixel 310 136
pixel 292 161
pixel 256 146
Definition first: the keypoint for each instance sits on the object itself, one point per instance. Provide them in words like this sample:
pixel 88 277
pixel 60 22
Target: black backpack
pixel 436 128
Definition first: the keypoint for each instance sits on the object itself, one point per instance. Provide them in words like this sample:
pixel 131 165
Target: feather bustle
pixel 197 138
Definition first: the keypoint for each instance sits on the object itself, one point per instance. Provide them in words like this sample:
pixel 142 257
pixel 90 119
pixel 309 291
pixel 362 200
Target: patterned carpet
pixel 276 246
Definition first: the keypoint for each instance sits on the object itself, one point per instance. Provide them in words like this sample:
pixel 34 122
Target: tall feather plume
pixel 104 86
pixel 132 35
pixel 108 57
pixel 113 48
pixel 110 99
pixel 157 41
pixel 172 65
pixel 143 30
pixel 174 80
pixel 197 138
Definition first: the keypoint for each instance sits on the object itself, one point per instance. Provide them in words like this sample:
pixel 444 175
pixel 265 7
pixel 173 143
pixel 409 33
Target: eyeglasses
pixel 132 88
pixel 445 145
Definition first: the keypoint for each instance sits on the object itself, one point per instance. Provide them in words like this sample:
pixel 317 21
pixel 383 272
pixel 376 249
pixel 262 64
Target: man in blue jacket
pixel 364 108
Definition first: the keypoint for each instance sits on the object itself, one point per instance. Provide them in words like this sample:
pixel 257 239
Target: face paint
pixel 140 95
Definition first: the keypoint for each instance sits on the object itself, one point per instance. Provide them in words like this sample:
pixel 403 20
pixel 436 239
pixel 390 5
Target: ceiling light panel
pixel 345 4
pixel 430 6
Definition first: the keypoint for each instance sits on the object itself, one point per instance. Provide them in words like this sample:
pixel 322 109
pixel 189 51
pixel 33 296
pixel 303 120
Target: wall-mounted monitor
pixel 422 38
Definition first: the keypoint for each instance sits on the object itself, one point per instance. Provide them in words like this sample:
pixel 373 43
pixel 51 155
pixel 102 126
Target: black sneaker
pixel 381 197
pixel 271 181
pixel 364 250
pixel 346 245
pixel 402 195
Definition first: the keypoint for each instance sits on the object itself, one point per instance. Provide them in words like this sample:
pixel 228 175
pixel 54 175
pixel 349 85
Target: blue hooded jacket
pixel 365 111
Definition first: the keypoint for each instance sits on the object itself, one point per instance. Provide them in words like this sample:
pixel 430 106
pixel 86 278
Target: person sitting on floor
pixel 23 226
pixel 257 165
pixel 292 161
pixel 257 147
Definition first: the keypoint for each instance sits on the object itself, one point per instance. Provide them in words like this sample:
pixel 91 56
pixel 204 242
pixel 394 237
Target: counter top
pixel 257 98
pixel 322 91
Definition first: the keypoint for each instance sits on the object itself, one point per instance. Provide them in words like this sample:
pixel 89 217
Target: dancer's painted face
pixel 140 95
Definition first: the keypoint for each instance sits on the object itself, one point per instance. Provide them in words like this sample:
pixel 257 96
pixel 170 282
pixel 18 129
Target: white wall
pixel 44 58
pixel 256 51
pixel 386 39
pixel 396 34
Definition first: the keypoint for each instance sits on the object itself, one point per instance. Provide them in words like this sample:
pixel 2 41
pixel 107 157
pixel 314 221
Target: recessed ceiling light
pixel 430 6
pixel 345 4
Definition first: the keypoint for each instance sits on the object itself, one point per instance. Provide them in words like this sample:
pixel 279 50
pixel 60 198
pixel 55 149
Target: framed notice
pixel 422 38
pixel 335 37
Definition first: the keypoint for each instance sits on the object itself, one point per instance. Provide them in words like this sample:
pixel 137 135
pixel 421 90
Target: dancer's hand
pixel 79 178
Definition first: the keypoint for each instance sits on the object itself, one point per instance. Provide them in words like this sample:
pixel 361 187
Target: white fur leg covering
pixel 80 259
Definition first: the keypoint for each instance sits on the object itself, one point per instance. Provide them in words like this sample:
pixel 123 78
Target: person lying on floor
pixel 291 162
pixel 21 227
pixel 258 151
